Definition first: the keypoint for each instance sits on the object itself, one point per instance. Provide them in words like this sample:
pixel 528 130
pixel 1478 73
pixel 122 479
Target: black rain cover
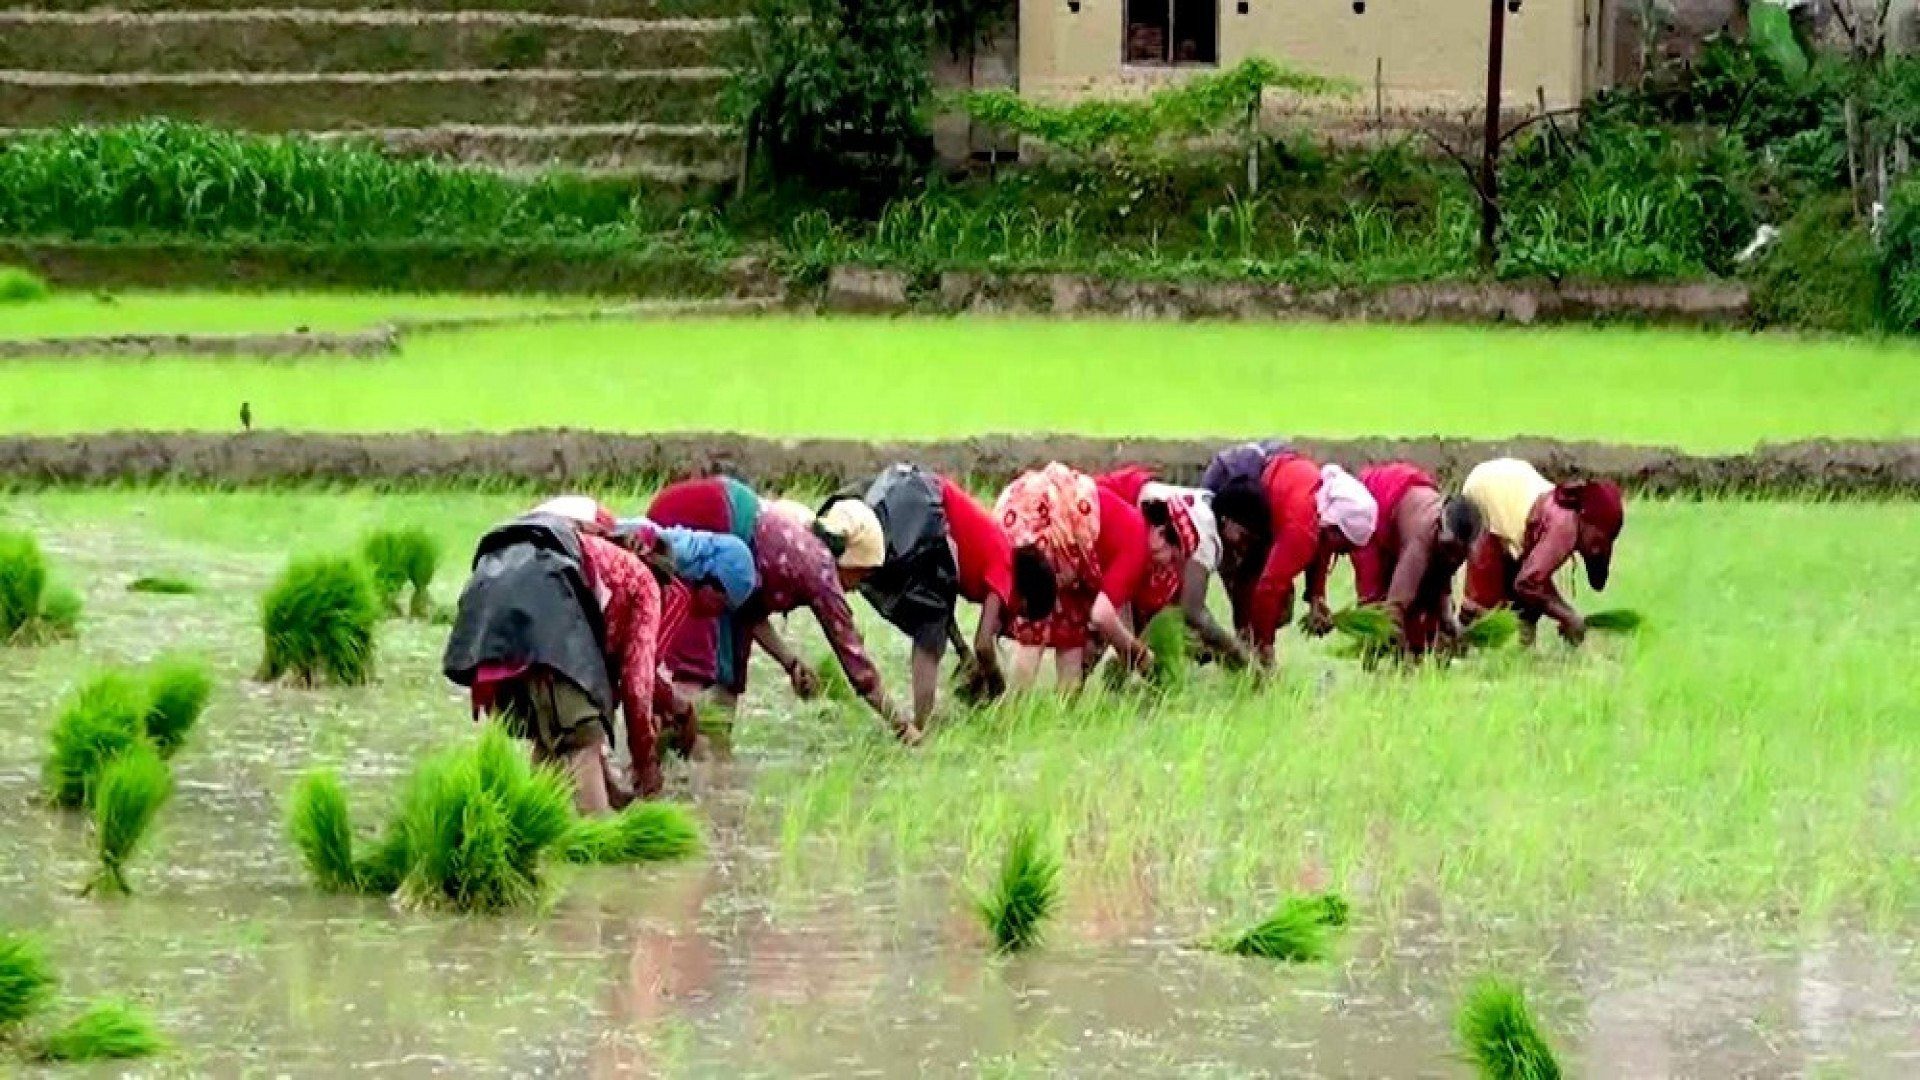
pixel 918 586
pixel 529 601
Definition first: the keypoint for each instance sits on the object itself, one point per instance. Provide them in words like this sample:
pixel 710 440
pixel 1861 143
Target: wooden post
pixel 1490 145
pixel 1379 91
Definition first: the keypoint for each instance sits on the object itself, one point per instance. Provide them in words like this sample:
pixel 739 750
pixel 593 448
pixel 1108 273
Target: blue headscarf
pixel 704 558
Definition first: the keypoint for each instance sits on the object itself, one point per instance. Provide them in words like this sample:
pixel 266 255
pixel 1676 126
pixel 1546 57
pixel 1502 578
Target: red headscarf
pixel 1599 504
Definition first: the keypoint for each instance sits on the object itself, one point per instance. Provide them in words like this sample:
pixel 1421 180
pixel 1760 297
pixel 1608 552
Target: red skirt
pixel 1065 628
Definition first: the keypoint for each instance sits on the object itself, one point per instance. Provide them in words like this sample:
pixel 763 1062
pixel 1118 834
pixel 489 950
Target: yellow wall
pixel 1433 51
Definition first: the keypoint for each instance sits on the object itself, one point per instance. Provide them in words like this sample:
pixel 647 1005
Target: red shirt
pixel 1122 548
pixel 984 556
pixel 1291 482
pixel 1373 564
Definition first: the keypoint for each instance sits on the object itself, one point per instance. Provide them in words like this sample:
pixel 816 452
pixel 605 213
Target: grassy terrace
pixel 70 314
pixel 946 378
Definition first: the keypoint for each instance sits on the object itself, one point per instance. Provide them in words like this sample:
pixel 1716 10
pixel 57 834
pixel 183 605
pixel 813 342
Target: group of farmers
pixel 572 613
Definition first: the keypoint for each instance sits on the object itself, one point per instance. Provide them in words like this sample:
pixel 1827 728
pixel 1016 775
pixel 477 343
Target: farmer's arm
pixel 986 636
pixel 775 646
pixel 830 609
pixel 1294 547
pixel 1409 570
pixel 1119 580
pixel 1534 584
pixel 1193 607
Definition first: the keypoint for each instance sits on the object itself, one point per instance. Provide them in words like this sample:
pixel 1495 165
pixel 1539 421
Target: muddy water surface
pixel 712 968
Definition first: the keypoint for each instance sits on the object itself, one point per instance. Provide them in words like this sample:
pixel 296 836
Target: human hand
pixel 806 684
pixel 1319 619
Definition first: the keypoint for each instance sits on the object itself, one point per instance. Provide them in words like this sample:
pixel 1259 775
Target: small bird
pixel 246 416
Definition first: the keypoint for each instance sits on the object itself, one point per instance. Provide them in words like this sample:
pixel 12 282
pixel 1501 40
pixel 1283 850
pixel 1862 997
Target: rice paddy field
pixel 1695 847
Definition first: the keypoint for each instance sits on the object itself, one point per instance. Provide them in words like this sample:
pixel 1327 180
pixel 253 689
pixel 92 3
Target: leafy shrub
pixel 319 620
pixel 1024 896
pixel 18 286
pixel 1822 273
pixel 1900 258
pixel 132 789
pixel 402 559
pixel 100 723
pixel 177 691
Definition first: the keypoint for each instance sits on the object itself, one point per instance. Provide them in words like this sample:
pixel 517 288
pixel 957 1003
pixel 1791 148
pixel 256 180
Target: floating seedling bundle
pixel 1296 932
pixel 1615 621
pixel 318 620
pixel 402 560
pixel 103 1031
pixel 476 830
pixel 1023 898
pixel 1499 1037
pixel 163 585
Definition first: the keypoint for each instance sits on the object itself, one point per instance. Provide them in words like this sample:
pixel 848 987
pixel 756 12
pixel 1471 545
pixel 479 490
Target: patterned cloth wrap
pixel 1057 511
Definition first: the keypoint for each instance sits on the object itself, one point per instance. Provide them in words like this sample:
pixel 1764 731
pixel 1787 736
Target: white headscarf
pixel 1346 504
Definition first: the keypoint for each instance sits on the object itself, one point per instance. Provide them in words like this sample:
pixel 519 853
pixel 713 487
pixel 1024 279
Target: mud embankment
pixel 554 459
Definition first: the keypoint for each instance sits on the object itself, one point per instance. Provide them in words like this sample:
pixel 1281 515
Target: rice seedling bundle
pixel 163 585
pixel 101 722
pixel 1499 1037
pixel 479 822
pixel 132 789
pixel 1023 898
pixel 60 610
pixel 1615 621
pixel 26 981
pixel 177 691
pixel 318 620
pixel 643 832
pixel 1166 635
pixel 1369 625
pixel 322 831
pixel 1296 932
pixel 23 581
pixel 1492 630
pixel 402 559
pixel 106 1031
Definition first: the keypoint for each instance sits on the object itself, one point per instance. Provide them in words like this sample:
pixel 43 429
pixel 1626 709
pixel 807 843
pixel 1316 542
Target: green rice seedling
pixel 23 581
pixel 322 830
pixel 1166 635
pixel 402 559
pixel 1492 630
pixel 381 871
pixel 644 832
pixel 480 822
pixel 178 688
pixel 1296 931
pixel 59 611
pixel 163 585
pixel 133 788
pixel 1498 1035
pixel 319 620
pixel 1024 896
pixel 834 686
pixel 20 286
pixel 102 721
pixel 106 1031
pixel 26 981
pixel 1368 625
pixel 1615 621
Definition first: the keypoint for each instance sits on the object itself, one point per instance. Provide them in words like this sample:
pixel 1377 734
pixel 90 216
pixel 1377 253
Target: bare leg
pixel 1026 666
pixel 587 767
pixel 1067 668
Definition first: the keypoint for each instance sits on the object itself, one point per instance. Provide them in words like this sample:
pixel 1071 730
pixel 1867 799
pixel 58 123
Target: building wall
pixel 1431 54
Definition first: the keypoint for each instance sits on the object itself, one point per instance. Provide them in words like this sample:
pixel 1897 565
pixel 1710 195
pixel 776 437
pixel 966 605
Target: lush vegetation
pixel 795 376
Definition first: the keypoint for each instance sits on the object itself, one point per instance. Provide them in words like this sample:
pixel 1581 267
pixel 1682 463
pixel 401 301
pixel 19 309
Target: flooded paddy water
pixel 832 936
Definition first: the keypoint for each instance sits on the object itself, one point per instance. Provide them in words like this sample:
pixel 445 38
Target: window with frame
pixel 1172 33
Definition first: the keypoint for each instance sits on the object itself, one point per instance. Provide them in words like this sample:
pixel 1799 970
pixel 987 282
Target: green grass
pixel 318 621
pixel 1016 909
pixel 26 981
pixel 1729 767
pixel 78 313
pixel 105 1031
pixel 1499 1037
pixel 792 376
pixel 133 787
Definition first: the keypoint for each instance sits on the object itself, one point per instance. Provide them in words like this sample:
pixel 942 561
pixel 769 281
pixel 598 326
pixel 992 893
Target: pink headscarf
pixel 1346 504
